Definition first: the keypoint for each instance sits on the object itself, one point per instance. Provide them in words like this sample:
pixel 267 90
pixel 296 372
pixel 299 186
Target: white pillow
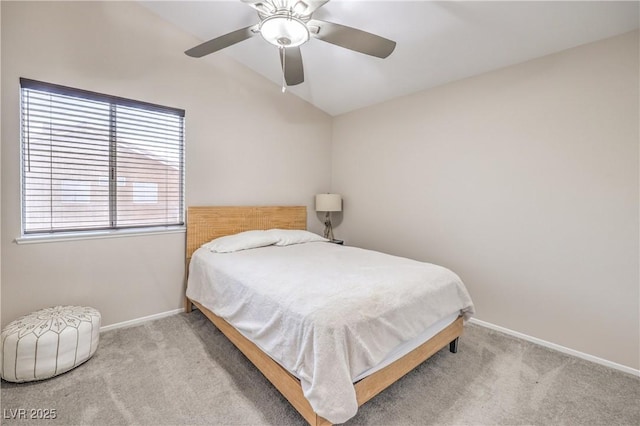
pixel 241 241
pixel 286 237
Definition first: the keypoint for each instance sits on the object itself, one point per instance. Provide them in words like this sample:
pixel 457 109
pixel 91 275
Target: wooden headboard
pixel 206 223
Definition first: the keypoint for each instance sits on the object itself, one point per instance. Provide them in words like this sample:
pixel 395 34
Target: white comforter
pixel 323 311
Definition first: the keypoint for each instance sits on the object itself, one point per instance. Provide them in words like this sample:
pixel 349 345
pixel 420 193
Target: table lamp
pixel 328 203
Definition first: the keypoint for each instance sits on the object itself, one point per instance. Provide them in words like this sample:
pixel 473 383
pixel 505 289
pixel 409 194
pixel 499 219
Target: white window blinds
pixel 93 161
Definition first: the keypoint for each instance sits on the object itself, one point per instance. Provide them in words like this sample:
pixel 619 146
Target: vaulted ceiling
pixel 437 41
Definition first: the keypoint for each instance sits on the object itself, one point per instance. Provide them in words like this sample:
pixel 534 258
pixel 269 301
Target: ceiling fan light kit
pixel 284 30
pixel 287 24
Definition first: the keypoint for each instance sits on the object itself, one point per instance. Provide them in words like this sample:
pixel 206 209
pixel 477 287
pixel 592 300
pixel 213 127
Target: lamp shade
pixel 328 203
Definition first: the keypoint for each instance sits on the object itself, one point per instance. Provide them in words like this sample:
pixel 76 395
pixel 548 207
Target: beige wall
pixel 524 181
pixel 246 143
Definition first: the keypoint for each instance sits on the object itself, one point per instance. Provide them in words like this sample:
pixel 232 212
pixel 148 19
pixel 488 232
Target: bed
pixel 326 357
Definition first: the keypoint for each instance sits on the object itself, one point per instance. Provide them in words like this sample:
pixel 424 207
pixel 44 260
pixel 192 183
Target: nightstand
pixel 341 242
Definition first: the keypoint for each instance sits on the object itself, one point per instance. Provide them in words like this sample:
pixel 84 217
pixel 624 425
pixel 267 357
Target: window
pixel 98 162
pixel 145 192
pixel 76 191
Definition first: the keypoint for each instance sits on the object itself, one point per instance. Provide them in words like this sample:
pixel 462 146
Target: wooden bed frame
pixel 207 223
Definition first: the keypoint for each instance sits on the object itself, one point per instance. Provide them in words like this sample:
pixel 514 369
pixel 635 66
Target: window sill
pixel 94 235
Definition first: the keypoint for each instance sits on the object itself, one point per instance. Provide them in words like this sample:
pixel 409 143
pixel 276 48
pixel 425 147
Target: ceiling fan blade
pixel 291 60
pixel 221 42
pixel 352 38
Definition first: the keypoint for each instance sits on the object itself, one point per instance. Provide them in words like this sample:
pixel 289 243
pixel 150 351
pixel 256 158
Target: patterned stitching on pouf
pixel 48 342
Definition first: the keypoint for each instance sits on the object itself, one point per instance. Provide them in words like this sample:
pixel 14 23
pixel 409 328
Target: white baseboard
pixel 475 321
pixel 139 321
pixel 556 347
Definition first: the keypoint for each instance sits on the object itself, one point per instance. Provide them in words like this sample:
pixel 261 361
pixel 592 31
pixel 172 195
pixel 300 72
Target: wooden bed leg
pixel 453 346
pixel 321 421
pixel 188 306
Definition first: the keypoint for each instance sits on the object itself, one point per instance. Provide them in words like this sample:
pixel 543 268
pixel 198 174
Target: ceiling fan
pixel 287 24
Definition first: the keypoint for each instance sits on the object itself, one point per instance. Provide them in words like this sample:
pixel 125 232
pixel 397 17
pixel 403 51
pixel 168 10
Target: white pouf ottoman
pixel 48 342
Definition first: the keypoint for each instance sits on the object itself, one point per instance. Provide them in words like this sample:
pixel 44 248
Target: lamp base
pixel 328 228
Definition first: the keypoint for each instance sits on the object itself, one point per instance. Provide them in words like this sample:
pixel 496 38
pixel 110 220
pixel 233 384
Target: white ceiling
pixel 437 41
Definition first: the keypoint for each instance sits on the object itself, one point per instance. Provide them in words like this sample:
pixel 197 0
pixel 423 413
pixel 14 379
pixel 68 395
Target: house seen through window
pixel 93 161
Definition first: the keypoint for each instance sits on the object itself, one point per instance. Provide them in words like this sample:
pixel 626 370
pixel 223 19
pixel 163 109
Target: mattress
pixel 327 313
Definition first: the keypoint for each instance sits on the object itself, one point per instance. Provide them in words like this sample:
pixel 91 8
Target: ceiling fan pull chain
pixel 284 83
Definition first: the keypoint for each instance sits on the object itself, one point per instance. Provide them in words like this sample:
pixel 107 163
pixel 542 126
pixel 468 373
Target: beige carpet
pixel 180 370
